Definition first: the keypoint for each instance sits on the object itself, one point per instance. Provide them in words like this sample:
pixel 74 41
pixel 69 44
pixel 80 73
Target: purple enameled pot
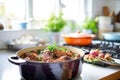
pixel 36 70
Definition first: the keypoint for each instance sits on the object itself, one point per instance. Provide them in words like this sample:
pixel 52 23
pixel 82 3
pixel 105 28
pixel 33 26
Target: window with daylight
pixel 11 12
pixel 37 12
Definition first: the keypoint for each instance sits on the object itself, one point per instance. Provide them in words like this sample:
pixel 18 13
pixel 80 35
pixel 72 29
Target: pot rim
pixel 81 52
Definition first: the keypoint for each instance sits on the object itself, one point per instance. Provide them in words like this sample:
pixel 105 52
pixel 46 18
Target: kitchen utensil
pixel 36 70
pixel 110 63
pixel 105 11
pixel 78 38
pixel 112 36
pixel 104 64
pixel 16 47
pixel 1 26
pixel 13 45
pixel 117 27
pixel 118 16
pixel 24 41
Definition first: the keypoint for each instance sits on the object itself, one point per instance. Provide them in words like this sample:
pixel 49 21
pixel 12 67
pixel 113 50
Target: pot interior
pixel 25 50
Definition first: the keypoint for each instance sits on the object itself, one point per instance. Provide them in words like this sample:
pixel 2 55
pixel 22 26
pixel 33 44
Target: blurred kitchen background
pixel 21 17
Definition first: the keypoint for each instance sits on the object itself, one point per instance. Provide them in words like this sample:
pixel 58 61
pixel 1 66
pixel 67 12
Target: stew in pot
pixel 51 54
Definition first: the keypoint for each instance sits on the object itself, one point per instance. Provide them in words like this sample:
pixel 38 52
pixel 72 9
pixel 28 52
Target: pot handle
pixel 16 60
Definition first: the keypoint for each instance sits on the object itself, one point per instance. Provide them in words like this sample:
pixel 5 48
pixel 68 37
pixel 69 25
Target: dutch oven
pixel 36 70
pixel 78 39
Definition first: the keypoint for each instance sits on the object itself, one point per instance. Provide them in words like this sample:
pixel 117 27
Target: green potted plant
pixel 90 24
pixel 54 25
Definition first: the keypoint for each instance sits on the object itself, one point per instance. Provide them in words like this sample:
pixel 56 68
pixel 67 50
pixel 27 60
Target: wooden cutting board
pixel 105 11
pixel 114 76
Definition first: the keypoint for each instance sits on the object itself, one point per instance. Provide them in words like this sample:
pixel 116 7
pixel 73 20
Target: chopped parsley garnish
pixel 52 47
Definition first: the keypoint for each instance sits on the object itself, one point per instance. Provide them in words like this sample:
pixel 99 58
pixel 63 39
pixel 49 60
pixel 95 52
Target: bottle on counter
pixel 1 26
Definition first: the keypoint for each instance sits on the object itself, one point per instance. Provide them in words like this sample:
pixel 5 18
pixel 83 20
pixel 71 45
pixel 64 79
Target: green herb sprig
pixel 52 47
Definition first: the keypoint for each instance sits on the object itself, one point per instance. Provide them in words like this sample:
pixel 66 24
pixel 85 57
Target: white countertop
pixel 93 72
pixel 9 71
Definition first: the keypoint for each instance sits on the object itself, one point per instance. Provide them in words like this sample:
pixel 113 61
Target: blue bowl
pixel 112 36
